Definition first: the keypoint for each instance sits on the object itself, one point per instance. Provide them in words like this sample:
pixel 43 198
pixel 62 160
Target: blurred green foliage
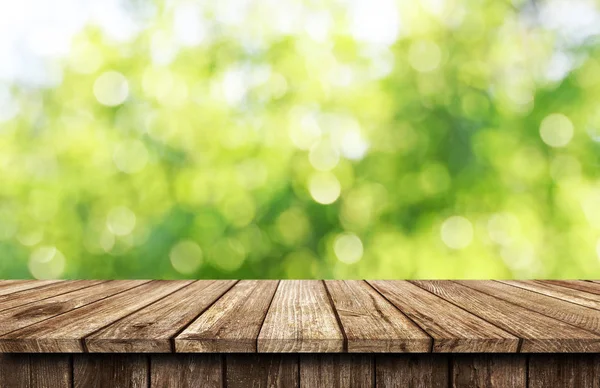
pixel 454 139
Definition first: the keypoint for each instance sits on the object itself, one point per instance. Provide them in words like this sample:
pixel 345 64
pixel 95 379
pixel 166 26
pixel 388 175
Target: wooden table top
pixel 332 316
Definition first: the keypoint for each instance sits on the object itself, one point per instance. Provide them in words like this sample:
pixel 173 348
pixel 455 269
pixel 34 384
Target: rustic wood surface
pixel 270 316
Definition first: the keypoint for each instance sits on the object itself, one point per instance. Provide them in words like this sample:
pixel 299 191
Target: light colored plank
pixel 231 324
pixel 568 294
pixel 538 332
pixel 12 286
pixel 371 323
pixel 581 285
pixel 152 328
pixel 64 333
pixel 22 316
pixel 44 292
pixel 452 328
pixel 564 311
pixel 300 319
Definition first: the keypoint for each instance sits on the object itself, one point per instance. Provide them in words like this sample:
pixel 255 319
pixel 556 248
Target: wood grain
pixel 538 332
pixel 35 371
pixel 22 316
pixel 300 319
pixel 12 286
pixel 152 328
pixel 186 371
pixel 412 371
pixel 564 371
pixel 233 323
pixel 110 371
pixel 371 323
pixel 40 293
pixel 564 311
pixel 263 370
pixel 64 333
pixel 486 370
pixel 452 328
pixel 337 371
pixel 591 287
pixel 564 293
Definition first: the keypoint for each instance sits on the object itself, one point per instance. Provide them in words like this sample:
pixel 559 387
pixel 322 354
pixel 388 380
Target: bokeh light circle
pixel 186 257
pixel 348 248
pixel 457 232
pixel 556 130
pixel 111 88
pixel 47 262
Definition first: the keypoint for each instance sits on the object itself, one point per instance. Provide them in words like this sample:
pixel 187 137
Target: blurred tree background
pixel 300 139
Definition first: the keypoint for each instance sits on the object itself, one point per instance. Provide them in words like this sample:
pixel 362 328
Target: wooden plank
pixel 568 294
pixel 231 324
pixel 261 370
pixel 22 316
pixel 337 371
pixel 186 371
pixel 452 328
pixel 412 371
pixel 564 371
pixel 489 370
pixel 64 333
pixel 110 371
pixel 35 371
pixel 371 323
pixel 300 319
pixel 564 311
pixel 539 333
pixel 152 328
pixel 591 287
pixel 36 294
pixel 12 286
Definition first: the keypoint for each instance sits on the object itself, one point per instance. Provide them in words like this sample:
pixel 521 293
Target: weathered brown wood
pixel 564 371
pixel 300 319
pixel 581 285
pixel 110 371
pixel 12 286
pixel 64 333
pixel 489 370
pixel 371 323
pixel 337 371
pixel 35 371
pixel 412 371
pixel 152 328
pixel 539 333
pixel 576 315
pixel 231 324
pixel 47 291
pixel 564 293
pixel 452 328
pixel 262 370
pixel 186 371
pixel 22 316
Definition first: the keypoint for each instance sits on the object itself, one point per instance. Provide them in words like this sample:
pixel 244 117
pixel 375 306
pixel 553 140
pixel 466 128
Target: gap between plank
pixel 172 339
pixel 407 317
pixel 471 313
pixel 337 318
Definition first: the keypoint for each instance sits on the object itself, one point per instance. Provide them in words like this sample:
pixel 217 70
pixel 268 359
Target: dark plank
pixel 489 370
pixel 231 324
pixel 47 291
pixel 152 328
pixel 412 371
pixel 564 293
pixel 35 371
pixel 564 371
pixel 371 323
pixel 576 315
pixel 539 333
pixel 300 319
pixel 12 286
pixel 186 371
pixel 110 371
pixel 452 328
pixel 262 370
pixel 64 333
pixel 336 371
pixel 22 316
